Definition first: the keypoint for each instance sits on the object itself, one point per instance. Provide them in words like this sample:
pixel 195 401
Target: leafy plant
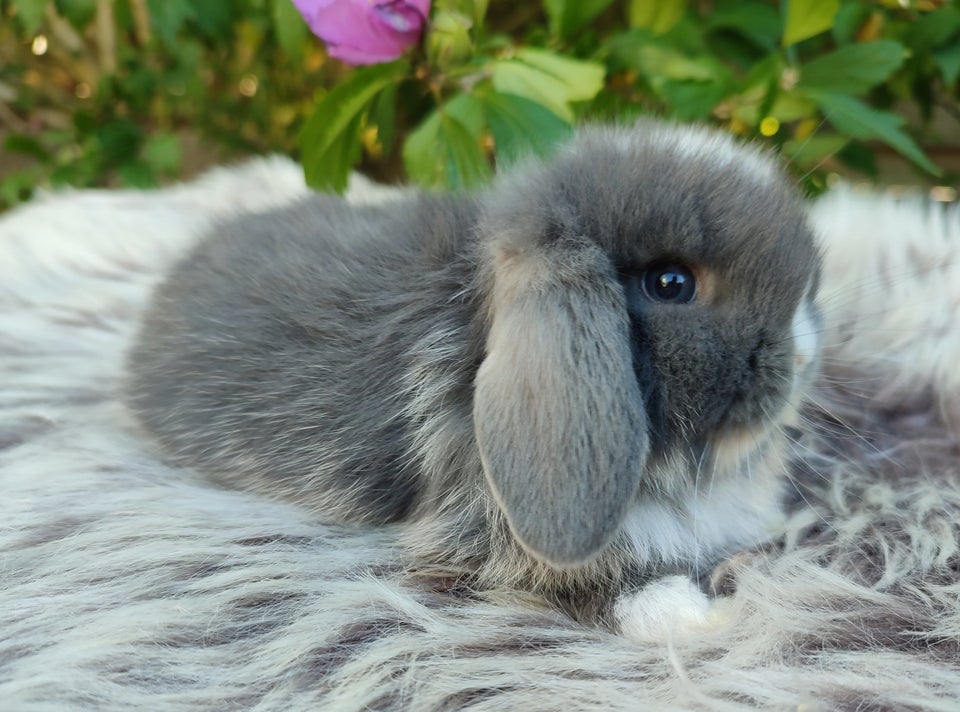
pixel 129 92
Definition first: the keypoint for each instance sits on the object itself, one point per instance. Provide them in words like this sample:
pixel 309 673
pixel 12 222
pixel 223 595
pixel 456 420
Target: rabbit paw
pixel 668 609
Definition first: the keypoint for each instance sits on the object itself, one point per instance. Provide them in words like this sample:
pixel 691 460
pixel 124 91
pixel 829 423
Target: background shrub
pixel 133 92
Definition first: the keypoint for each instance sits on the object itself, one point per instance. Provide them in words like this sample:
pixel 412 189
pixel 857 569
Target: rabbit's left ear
pixel 558 414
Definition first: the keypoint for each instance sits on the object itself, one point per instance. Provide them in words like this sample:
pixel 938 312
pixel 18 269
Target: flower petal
pixel 364 31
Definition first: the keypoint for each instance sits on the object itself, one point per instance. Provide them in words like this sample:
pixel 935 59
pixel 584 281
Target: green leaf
pixel 934 29
pixel 119 139
pixel 657 15
pixel 658 60
pixel 850 18
pixel 814 150
pixel 763 74
pixel 853 69
pixel 860 157
pixel 468 110
pixel 137 174
pixel 336 121
pixel 162 153
pixel 477 9
pixel 691 100
pixel 755 20
pixel 78 13
pixel 513 77
pixel 85 169
pixel 448 40
pixel 18 187
pixel 854 118
pixel 290 29
pixel 549 79
pixel 568 16
pixel 215 19
pixel 344 154
pixel 787 107
pixel 468 166
pixel 806 18
pixel 522 127
pixel 26 145
pixel 661 63
pixel 168 16
pixel 443 153
pixel 383 115
pixel 30 13
pixel 583 79
pixel 473 9
pixel 948 60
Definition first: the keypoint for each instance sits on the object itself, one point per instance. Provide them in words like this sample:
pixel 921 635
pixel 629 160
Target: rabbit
pixel 572 382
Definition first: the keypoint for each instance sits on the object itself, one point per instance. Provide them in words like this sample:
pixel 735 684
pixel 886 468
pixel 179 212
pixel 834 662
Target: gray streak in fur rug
pixel 130 584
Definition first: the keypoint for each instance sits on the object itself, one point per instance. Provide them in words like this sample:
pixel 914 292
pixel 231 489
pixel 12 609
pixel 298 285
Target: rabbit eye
pixel 669 282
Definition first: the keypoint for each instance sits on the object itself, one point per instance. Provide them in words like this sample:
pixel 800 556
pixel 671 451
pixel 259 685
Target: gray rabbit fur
pixel 491 371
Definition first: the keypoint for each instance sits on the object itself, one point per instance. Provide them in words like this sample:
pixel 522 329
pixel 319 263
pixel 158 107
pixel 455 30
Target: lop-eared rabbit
pixel 573 383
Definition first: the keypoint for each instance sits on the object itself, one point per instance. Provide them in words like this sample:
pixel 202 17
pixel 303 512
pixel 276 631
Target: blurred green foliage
pixel 131 92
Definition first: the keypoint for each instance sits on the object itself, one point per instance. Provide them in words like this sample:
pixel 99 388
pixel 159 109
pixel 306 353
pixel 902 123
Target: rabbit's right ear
pixel 558 414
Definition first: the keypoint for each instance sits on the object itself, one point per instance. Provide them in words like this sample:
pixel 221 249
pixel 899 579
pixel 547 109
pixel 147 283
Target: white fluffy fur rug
pixel 125 584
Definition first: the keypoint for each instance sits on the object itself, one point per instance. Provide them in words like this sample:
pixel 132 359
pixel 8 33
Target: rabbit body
pixel 497 372
pixel 273 354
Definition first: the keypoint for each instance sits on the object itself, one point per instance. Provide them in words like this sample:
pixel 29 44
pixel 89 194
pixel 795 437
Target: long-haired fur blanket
pixel 128 584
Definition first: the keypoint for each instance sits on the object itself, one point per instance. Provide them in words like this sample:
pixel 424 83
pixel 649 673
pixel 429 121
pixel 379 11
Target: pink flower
pixel 365 31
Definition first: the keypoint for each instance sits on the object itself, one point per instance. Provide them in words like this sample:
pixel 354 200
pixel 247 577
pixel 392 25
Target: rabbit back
pixel 272 356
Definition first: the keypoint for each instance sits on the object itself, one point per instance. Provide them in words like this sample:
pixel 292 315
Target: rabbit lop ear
pixel 558 413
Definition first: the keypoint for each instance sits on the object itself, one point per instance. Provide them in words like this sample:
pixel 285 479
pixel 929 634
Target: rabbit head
pixel 649 325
